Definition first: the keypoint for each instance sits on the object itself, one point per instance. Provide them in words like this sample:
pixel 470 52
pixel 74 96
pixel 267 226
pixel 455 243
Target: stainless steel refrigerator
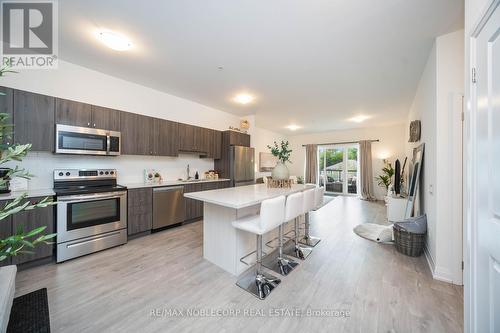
pixel 241 165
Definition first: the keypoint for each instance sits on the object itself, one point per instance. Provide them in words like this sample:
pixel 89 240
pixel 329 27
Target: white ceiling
pixel 313 63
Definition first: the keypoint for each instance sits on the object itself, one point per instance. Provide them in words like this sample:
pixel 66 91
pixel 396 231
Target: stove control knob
pixel 68 174
pixel 101 173
pixel 107 173
pixel 111 172
pixel 61 174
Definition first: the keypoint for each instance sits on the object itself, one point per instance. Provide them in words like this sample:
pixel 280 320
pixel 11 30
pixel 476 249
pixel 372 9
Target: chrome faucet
pixel 187 172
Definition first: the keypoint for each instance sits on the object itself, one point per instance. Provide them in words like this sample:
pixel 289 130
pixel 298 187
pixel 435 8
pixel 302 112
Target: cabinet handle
pixel 88 124
pixel 94 125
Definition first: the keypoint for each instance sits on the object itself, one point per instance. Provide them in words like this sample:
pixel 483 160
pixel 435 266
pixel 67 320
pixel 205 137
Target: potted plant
pixel 21 241
pixel 385 179
pixel 281 151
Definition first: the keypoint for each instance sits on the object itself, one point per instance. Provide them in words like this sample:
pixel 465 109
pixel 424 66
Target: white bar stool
pixel 276 261
pixel 272 214
pixel 319 197
pixel 294 208
pixel 309 203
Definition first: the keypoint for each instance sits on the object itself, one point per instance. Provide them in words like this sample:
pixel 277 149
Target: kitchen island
pixel 224 245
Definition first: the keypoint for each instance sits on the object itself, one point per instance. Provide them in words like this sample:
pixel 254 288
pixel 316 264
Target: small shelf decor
pixel 279 183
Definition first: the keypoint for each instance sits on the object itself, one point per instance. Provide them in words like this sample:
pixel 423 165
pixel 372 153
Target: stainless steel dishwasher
pixel 168 206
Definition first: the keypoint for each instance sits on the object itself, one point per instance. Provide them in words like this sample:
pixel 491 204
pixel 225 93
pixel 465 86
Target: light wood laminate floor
pixel 382 290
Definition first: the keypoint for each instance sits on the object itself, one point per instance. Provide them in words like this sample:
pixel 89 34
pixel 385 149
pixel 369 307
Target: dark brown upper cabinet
pixel 143 135
pixel 165 137
pixel 7 106
pixel 73 113
pixel 105 118
pixel 86 115
pixel 213 143
pixel 191 139
pixel 238 139
pixel 136 134
pixel 34 120
pixel 216 144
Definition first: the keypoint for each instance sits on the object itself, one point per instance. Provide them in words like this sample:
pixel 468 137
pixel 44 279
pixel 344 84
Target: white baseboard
pixel 438 273
pixel 430 260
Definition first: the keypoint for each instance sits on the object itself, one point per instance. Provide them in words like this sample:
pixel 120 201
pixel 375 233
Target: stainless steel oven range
pixel 91 212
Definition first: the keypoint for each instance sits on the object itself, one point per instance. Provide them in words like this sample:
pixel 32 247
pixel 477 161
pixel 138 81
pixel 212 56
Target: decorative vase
pixel 280 171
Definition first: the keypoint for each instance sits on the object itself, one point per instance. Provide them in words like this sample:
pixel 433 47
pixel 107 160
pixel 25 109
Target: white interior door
pixel 484 266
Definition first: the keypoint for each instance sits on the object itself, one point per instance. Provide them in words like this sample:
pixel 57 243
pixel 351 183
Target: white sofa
pixel 7 290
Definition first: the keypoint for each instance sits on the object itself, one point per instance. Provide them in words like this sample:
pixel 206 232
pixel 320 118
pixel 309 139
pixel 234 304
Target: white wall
pixel 391 146
pixel 424 109
pixel 74 82
pixel 438 105
pixel 259 139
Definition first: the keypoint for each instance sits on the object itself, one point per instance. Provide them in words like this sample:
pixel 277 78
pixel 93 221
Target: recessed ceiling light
pixel 114 40
pixel 359 119
pixel 243 98
pixel 293 127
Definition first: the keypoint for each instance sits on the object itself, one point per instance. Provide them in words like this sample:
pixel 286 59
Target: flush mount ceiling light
pixel 293 127
pixel 359 119
pixel 114 40
pixel 243 98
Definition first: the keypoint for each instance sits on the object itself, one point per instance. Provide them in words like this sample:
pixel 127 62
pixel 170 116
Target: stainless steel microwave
pixel 86 141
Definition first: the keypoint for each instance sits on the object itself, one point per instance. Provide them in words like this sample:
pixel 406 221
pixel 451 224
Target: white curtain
pixel 366 170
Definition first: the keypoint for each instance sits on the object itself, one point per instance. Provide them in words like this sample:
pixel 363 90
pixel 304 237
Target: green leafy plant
pixel 386 178
pixel 6 68
pixel 281 151
pixel 21 241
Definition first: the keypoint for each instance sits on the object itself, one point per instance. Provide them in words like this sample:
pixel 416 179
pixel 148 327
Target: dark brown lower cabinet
pixel 140 205
pixel 140 210
pixel 223 184
pixel 30 220
pixel 5 231
pixel 194 208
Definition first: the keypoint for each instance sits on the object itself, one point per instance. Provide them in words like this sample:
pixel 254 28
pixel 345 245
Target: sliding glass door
pixel 338 168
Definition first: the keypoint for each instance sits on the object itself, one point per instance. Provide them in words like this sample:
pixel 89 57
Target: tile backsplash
pixel 130 168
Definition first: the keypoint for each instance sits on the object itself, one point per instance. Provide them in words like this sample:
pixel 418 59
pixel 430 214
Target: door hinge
pixel 463 116
pixel 463 265
pixel 474 80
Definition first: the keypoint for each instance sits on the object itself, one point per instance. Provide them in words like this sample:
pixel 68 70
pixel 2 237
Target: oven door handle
pixel 77 198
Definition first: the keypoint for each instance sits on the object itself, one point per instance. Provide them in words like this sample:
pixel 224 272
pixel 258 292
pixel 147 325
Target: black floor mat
pixel 30 313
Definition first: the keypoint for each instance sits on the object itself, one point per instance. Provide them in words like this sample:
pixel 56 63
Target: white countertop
pixel 47 192
pixel 244 196
pixel 31 194
pixel 172 183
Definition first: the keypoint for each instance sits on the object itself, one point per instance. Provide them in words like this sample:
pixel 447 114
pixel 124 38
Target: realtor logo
pixel 29 38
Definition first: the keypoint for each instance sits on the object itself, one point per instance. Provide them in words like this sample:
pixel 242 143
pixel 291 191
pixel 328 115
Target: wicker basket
pixel 408 243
